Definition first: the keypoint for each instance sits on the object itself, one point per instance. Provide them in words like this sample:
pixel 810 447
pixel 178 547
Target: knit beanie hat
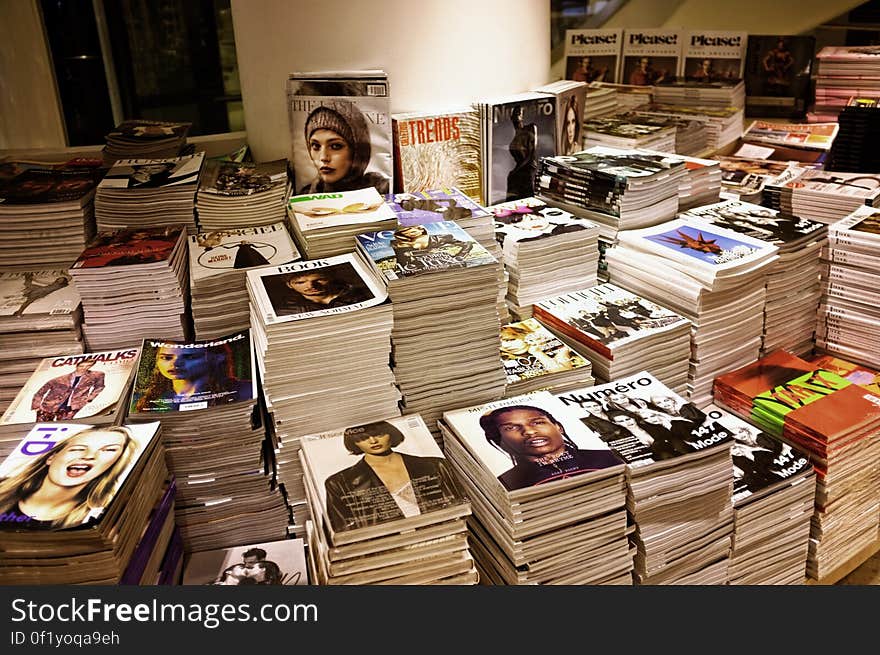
pixel 348 122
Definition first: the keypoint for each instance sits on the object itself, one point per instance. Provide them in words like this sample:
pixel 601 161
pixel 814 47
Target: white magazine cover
pixel 755 221
pixel 861 226
pixel 221 251
pixel 650 56
pixel 530 219
pixel 96 460
pixel 29 293
pixel 812 181
pixel 713 55
pixel 154 173
pixel 319 287
pixel 318 211
pixel 73 387
pixel 272 563
pixel 592 55
pixel 643 420
pixel 530 440
pixel 342 464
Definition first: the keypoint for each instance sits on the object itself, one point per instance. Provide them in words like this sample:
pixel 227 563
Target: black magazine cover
pixel 777 75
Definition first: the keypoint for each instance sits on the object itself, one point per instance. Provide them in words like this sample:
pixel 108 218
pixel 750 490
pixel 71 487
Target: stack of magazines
pixel 90 388
pixel 133 283
pixel 238 194
pixel 679 476
pixel 793 282
pixel 805 142
pixel 774 490
pixel 386 507
pixel 270 563
pixel 601 101
pixel 146 193
pixel 703 183
pixel 46 216
pixel 546 251
pixel 145 139
pixel 118 474
pixel 40 313
pixel 849 318
pixel 218 265
pixel 204 394
pixel 691 136
pixel 724 124
pixel 835 421
pixel 159 552
pixel 712 276
pixel 322 332
pixel 629 132
pixel 743 178
pixel 853 148
pixel 621 332
pixel 534 358
pixel 717 94
pixel 444 289
pixel 822 195
pixel 844 72
pixel 326 224
pixel 547 494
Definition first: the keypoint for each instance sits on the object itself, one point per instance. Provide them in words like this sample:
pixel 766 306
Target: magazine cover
pixel 643 420
pixel 650 56
pixel 592 55
pixel 570 99
pixel 220 251
pixel 861 224
pixel 530 219
pixel 352 495
pixel 812 136
pixel 420 249
pixel 855 373
pixel 154 173
pixel 859 185
pixel 320 287
pixel 710 55
pixel 432 205
pixel 530 440
pixel 273 563
pixel 529 350
pixel 49 185
pixel 756 221
pixel 323 210
pixel 438 150
pixel 340 131
pixel 92 461
pixel 606 316
pixel 777 75
pixel 522 131
pixel 37 292
pixel 141 131
pixel 131 247
pixel 176 377
pixel 73 387
pixel 229 178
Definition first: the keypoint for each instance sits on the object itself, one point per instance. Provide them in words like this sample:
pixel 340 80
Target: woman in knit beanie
pixel 338 141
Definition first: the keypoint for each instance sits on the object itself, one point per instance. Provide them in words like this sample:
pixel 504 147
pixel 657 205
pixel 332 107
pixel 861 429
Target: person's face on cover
pixel 664 402
pixel 83 367
pixel 644 62
pixel 529 434
pixel 375 444
pixel 331 155
pixel 516 115
pixel 744 435
pixel 310 285
pixel 592 406
pixel 570 124
pixel 624 420
pixel 250 561
pixel 651 417
pixel 511 342
pixel 84 458
pixel 411 232
pixel 176 364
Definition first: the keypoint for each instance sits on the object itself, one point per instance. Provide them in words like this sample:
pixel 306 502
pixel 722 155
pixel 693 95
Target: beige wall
pixel 30 115
pixel 436 53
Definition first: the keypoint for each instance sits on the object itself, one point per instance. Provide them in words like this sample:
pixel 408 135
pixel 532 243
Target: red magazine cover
pixel 126 247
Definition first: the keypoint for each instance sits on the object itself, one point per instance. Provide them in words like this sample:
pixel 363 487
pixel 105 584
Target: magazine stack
pixel 743 178
pixel 46 216
pixel 859 129
pixel 774 490
pixel 821 195
pixel 679 476
pixel 629 132
pixel 546 250
pixel 443 287
pixel 40 312
pixel 218 265
pixel 119 474
pixel 620 332
pixel 238 194
pixel 548 496
pixel 834 421
pixel 335 310
pixel 793 282
pixel 712 276
pixel 618 189
pixel 534 359
pixel 204 394
pixel 386 506
pixel 159 553
pixel 600 101
pixel 629 96
pixel 326 224
pixel 724 124
pixel 91 388
pixel 272 563
pixel 849 318
pixel 804 142
pixel 703 184
pixel 146 193
pixel 133 283
pixel 691 136
pixel 844 72
pixel 143 139
pixel 715 94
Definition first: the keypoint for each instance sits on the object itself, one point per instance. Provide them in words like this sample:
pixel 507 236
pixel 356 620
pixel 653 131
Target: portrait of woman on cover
pixel 69 483
pixel 384 485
